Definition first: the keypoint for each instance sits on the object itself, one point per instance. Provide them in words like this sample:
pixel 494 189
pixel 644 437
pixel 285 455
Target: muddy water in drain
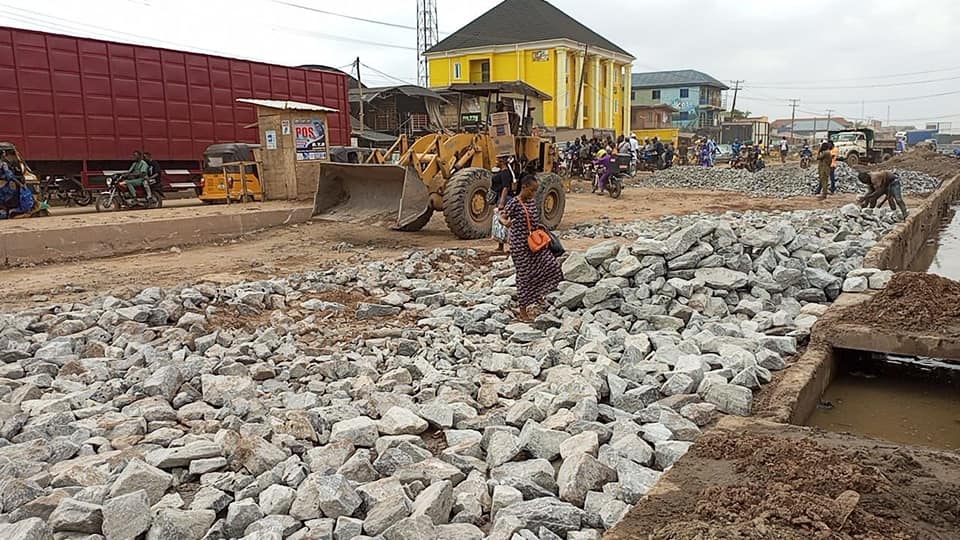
pixel 897 409
pixel 941 254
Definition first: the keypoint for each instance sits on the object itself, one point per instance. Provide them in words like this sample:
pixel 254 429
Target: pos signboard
pixel 310 135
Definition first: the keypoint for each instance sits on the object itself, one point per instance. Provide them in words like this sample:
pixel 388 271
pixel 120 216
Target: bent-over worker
pixel 883 183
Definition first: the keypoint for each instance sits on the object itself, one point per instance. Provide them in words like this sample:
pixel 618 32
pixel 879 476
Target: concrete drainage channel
pixel 746 477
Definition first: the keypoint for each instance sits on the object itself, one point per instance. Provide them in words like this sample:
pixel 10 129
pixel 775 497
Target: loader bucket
pixel 365 192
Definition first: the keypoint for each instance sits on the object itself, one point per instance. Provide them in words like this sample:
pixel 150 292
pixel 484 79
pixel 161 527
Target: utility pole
pixel 736 88
pixel 888 116
pixel 829 112
pixel 360 90
pixel 793 114
pixel 583 75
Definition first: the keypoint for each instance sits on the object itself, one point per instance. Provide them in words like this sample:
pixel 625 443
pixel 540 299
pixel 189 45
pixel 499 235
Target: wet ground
pixel 941 255
pixel 894 408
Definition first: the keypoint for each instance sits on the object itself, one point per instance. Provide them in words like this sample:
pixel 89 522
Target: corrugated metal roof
pixel 410 90
pixel 285 104
pixel 522 21
pixel 680 77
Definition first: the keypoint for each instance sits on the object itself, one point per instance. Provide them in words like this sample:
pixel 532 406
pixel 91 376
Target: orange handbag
pixel 538 238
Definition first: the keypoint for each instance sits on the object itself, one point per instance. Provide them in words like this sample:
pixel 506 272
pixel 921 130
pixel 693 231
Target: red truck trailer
pixel 78 107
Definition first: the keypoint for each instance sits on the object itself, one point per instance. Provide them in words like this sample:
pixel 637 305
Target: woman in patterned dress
pixel 538 274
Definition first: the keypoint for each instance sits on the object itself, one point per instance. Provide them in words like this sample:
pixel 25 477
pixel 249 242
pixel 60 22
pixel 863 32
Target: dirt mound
pixel 752 481
pixel 913 301
pixel 925 161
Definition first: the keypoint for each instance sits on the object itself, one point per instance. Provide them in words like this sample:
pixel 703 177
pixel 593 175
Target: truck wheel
pixel 465 206
pixel 420 223
pixel 853 159
pixel 551 199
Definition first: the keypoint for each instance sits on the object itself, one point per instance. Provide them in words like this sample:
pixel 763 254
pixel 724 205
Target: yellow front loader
pixel 447 173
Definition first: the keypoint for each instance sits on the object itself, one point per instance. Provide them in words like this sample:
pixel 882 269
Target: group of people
pixel 705 151
pixel 16 198
pixel 652 151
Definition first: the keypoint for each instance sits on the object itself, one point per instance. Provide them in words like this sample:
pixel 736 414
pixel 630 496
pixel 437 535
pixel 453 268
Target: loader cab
pixel 230 173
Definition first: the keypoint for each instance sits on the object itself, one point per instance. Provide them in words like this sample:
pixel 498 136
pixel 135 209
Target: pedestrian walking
pixel 823 170
pixel 834 153
pixel 538 272
pixel 784 148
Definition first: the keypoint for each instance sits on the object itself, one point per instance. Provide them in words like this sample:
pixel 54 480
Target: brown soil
pixel 925 161
pixel 914 301
pixel 325 244
pixel 748 479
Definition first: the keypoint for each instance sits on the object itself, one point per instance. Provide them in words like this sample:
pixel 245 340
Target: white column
pixel 596 93
pixel 609 121
pixel 561 116
pixel 627 99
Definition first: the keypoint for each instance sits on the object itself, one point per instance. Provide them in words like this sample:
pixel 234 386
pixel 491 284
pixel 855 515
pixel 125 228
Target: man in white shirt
pixel 784 147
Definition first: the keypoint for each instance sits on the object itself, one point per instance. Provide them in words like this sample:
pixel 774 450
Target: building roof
pixel 807 124
pixel 784 123
pixel 286 104
pixel 409 90
pixel 680 77
pixel 522 21
pixel 499 87
pixel 658 106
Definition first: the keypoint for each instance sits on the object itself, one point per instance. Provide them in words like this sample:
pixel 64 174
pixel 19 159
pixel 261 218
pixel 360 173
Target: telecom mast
pixel 427 36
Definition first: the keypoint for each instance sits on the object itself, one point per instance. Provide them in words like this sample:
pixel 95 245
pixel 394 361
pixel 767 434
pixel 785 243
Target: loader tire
pixel 465 206
pixel 551 199
pixel 420 223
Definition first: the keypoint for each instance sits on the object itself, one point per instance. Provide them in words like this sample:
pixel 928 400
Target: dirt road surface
pixel 321 244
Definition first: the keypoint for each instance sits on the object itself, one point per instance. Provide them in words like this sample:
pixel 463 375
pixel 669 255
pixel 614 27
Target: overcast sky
pixel 859 58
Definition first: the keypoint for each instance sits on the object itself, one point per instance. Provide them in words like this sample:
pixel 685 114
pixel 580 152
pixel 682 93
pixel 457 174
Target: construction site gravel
pixel 397 398
pixel 784 180
pixel 332 380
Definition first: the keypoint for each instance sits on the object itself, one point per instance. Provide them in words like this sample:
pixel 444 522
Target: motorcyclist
pixel 136 175
pixel 608 163
pixel 735 147
pixel 806 151
pixel 154 172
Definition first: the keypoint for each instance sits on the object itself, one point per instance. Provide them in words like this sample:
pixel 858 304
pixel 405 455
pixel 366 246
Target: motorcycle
pixel 117 196
pixel 68 190
pixel 615 183
pixel 649 161
pixel 805 160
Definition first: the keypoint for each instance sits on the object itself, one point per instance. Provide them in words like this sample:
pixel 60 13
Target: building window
pixel 684 92
pixel 655 94
pixel 684 116
pixel 456 71
pixel 633 95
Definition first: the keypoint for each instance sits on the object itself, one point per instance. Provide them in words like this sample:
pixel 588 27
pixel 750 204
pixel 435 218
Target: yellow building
pixel 534 42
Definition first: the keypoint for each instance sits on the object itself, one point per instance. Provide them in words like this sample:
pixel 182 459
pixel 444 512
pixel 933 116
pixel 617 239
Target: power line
pixel 859 86
pixel 351 17
pixel 387 75
pixel 333 37
pixel 868 77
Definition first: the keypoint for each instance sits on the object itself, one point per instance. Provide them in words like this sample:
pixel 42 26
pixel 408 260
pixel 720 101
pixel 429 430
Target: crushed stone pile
pixel 912 301
pixel 779 181
pixel 398 399
pixel 924 161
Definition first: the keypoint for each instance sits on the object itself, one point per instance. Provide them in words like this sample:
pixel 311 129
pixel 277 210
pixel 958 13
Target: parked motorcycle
pixel 68 190
pixel 117 196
